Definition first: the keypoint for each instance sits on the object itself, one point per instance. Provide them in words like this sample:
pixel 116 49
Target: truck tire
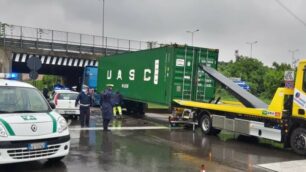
pixel 136 109
pixel 205 124
pixel 298 141
pixel 141 107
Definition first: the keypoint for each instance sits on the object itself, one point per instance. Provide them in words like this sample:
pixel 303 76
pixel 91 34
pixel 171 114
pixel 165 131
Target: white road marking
pixel 121 128
pixel 299 165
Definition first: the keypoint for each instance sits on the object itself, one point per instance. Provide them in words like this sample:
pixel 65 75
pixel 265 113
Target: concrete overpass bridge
pixel 61 53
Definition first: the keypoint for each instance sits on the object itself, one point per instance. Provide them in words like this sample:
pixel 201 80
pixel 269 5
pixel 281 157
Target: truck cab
pixel 299 98
pixel 297 121
pixel 30 129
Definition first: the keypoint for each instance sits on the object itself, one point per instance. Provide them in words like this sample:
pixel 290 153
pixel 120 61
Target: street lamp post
pixel 293 59
pixel 251 44
pixel 103 4
pixel 192 32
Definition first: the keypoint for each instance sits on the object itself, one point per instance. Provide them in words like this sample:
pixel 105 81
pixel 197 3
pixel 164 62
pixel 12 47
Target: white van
pixel 29 128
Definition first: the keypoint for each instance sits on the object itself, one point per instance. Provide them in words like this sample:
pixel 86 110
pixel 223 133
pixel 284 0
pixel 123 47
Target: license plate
pixel 34 146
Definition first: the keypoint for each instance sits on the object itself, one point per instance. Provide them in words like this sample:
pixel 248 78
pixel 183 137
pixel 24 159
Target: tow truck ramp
pixel 246 98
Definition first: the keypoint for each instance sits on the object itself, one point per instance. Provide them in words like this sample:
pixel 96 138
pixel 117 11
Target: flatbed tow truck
pixel 284 120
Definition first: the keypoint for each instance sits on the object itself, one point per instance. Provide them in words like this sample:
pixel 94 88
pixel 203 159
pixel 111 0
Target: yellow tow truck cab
pixel 282 121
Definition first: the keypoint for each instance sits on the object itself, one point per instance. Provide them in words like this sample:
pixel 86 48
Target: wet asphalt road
pixel 155 149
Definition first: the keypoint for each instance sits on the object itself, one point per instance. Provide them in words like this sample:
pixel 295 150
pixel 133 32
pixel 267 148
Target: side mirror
pixel 52 105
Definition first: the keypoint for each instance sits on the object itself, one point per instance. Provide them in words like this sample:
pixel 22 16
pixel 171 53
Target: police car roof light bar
pixel 8 75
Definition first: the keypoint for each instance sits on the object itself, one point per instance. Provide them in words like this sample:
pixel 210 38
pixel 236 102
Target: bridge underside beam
pixel 54 60
pixel 71 75
pixel 63 47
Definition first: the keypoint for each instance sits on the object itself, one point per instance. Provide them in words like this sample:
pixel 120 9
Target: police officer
pixel 106 103
pixel 74 88
pixel 85 101
pixel 117 104
pixel 46 92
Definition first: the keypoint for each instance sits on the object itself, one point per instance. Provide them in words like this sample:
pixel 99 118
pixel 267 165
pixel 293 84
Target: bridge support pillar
pixel 5 60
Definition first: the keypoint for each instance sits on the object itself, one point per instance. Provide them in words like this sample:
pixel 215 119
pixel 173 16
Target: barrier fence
pixel 28 37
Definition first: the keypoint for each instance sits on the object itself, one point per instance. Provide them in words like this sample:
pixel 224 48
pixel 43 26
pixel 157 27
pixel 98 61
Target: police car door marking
pixel 8 127
pixel 28 117
pixel 54 122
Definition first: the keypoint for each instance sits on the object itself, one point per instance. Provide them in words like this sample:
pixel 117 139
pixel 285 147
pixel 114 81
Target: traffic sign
pixel 33 75
pixel 289 84
pixel 34 63
pixel 289 75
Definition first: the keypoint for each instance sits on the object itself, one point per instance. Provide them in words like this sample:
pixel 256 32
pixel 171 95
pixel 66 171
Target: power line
pixel 290 12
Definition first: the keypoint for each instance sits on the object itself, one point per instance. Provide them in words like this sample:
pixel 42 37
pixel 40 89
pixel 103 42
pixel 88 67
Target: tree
pixel 263 80
pixel 49 81
pixel 274 78
pixel 248 69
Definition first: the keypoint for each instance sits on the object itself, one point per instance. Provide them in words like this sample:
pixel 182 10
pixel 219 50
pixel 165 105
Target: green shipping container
pixel 160 75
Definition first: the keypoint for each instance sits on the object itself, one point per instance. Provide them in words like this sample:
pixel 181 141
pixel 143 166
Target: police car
pixel 29 128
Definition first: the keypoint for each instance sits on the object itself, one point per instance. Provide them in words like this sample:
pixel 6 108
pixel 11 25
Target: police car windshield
pixel 21 99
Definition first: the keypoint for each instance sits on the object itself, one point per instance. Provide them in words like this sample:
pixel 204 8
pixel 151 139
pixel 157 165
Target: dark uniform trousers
pixel 84 115
pixel 105 123
pixel 84 99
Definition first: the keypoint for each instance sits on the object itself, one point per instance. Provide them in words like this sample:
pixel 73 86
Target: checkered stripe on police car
pixel 55 60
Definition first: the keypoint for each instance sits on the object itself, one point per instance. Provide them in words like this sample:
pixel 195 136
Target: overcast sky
pixel 224 24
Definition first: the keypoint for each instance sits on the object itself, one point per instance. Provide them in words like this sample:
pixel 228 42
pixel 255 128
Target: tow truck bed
pixel 231 108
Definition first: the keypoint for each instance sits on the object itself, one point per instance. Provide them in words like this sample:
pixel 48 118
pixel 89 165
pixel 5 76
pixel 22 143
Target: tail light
pixel 55 99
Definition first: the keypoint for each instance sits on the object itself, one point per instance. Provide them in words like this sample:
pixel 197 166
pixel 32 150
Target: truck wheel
pixel 205 124
pixel 298 141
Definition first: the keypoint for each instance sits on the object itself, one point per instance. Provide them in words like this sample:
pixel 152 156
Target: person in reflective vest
pixel 85 100
pixel 117 105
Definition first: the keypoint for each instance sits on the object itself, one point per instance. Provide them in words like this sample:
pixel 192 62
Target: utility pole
pixel 103 9
pixel 192 33
pixel 251 44
pixel 293 59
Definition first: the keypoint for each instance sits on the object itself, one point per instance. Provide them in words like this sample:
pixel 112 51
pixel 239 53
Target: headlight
pixel 2 131
pixel 62 124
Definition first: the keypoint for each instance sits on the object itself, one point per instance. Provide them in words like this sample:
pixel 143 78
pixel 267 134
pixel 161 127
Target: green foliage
pixel 274 78
pixel 263 80
pixel 37 83
pixel 49 81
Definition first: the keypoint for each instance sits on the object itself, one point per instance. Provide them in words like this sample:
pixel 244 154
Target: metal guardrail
pixel 27 37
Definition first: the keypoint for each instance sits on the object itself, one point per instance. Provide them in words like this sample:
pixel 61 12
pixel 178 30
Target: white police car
pixel 29 128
